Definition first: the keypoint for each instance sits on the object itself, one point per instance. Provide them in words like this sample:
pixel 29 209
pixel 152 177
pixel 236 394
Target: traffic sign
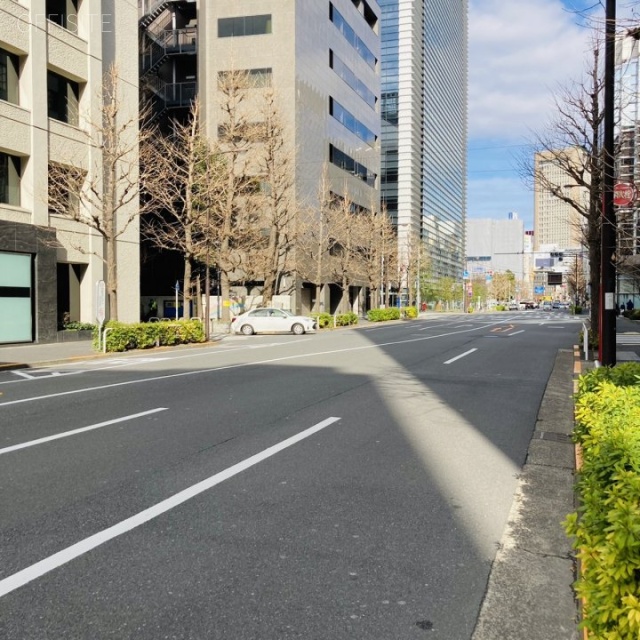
pixel 624 194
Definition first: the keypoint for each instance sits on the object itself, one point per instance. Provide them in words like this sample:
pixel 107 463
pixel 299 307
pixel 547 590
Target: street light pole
pixel 607 324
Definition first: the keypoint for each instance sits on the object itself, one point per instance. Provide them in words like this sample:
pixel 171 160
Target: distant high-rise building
pixel 495 246
pixel 556 222
pixel 424 126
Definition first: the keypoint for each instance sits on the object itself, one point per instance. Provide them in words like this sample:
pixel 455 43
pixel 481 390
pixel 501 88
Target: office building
pixel 556 222
pixel 495 246
pixel 424 127
pixel 628 162
pixel 53 55
pixel 323 61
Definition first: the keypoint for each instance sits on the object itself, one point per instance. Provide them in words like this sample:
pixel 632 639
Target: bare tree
pixel 235 211
pixel 104 196
pixel 274 256
pixel 317 239
pixel 574 145
pixel 379 251
pixel 347 226
pixel 178 185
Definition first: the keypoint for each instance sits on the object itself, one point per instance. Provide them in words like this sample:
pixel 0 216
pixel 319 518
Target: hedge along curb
pixel 577 372
pixel 606 522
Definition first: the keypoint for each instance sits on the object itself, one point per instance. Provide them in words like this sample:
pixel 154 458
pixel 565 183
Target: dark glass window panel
pixel 244 26
pixel 62 98
pixel 10 172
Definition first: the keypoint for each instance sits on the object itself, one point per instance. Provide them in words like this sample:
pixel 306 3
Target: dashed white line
pixel 462 355
pixel 19 579
pixel 73 432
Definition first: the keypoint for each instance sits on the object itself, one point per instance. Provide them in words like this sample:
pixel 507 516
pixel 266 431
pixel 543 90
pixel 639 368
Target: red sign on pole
pixel 624 194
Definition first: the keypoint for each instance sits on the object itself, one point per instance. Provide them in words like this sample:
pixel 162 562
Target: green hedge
pixel 145 335
pixel 326 320
pixel 380 315
pixel 79 326
pixel 606 525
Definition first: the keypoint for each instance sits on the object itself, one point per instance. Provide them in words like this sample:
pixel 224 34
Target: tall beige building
pixel 555 222
pixel 323 60
pixel 53 54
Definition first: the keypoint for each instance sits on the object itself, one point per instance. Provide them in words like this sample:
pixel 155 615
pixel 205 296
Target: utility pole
pixel 607 324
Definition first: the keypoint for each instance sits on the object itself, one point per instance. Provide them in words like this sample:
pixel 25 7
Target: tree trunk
pixel 186 291
pixel 225 291
pixel 112 279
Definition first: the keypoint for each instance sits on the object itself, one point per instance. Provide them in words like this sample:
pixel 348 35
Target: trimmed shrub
pixel 145 335
pixel 410 313
pixel 324 320
pixel 346 319
pixel 79 326
pixel 381 315
pixel 606 526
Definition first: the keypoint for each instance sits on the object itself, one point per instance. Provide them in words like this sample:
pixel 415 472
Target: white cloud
pixel 519 53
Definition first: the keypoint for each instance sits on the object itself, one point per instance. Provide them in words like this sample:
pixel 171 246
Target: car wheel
pixel 297 329
pixel 246 330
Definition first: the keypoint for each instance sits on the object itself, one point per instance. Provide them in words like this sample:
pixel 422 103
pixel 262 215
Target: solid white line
pixel 244 364
pixel 462 355
pixel 515 333
pixel 66 434
pixel 39 569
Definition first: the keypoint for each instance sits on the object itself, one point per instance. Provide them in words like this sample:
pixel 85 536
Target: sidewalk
pixel 32 355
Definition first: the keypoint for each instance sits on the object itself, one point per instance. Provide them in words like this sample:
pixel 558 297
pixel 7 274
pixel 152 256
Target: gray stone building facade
pixel 53 54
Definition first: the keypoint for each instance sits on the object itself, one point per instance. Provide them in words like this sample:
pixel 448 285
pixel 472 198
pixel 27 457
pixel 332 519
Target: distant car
pixel 513 306
pixel 268 320
pixel 528 304
pixel 555 305
pixel 546 306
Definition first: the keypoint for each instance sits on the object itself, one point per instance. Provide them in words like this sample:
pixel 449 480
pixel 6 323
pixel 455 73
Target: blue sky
pixel 520 53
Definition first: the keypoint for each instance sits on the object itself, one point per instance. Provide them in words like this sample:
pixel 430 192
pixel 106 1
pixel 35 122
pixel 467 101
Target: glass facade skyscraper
pixel 424 126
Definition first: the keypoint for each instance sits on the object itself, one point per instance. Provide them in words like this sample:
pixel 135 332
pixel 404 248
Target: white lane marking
pixel 462 355
pixel 45 373
pixel 73 432
pixel 19 579
pixel 241 365
pixel 515 333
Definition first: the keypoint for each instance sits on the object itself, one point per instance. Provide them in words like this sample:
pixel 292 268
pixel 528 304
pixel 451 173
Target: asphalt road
pixel 346 485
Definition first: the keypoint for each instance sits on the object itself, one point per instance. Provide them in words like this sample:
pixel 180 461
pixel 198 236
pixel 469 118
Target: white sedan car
pixel 272 321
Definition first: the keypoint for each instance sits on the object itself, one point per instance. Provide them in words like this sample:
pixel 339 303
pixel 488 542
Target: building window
pixel 347 163
pixel 351 122
pixel 256 78
pixel 350 35
pixel 389 108
pixel 64 189
pixel 9 77
pixel 244 26
pixel 10 172
pixel 63 13
pixel 62 98
pixel 351 79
